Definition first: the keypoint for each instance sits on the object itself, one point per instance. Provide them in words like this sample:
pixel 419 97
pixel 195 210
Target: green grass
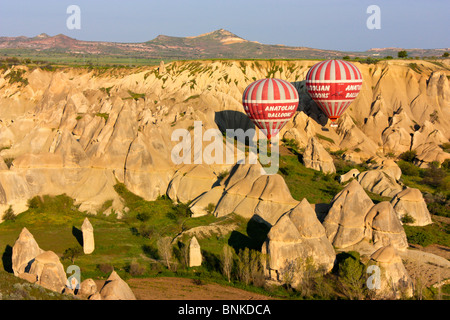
pixel 13 288
pixel 307 183
pixel 196 96
pixel 103 115
pixel 55 222
pixel 436 233
pixel 322 137
pixel 135 96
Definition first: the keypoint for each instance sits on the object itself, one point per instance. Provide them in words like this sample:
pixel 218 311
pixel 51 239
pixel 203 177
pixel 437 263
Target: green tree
pixel 9 214
pixel 402 54
pixel 351 277
pixel 72 253
pixel 446 54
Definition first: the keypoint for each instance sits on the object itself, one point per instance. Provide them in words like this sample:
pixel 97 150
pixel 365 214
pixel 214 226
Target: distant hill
pixel 219 44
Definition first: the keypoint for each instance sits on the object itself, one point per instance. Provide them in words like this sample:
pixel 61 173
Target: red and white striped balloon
pixel 333 85
pixel 270 104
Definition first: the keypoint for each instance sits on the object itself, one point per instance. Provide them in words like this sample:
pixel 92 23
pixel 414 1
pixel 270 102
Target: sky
pixel 323 24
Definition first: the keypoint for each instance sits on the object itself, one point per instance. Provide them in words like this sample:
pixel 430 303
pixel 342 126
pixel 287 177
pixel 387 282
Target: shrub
pixel 72 253
pixel 103 115
pixel 16 76
pixel 223 174
pixel 408 156
pixel 146 231
pixel 135 269
pixel 165 251
pixel 402 54
pixel 136 96
pixel 143 216
pixel 322 137
pixel 9 162
pixel 351 275
pixel 105 268
pixel 9 214
pixel 418 237
pixel 434 177
pixel 409 169
pixel 210 208
pixel 407 219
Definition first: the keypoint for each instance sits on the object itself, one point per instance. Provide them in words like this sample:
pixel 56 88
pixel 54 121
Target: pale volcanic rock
pixel 394 279
pixel 189 182
pixel 383 227
pixel 345 221
pixel 297 236
pixel 317 158
pixel 410 201
pixel 200 205
pixel 380 182
pixel 88 288
pixel 352 174
pixel 162 68
pixel 3 165
pixel 14 191
pixel 397 137
pixel 351 138
pixel 148 167
pixel 247 191
pixel 195 253
pixel 25 249
pixel 88 236
pixel 90 125
pixel 116 289
pixel 430 152
pixel 390 167
pixel 267 196
pixel 49 271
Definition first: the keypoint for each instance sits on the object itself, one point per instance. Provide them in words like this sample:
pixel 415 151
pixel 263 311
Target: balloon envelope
pixel 270 104
pixel 333 85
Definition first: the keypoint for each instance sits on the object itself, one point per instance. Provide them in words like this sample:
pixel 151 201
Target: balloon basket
pixel 333 125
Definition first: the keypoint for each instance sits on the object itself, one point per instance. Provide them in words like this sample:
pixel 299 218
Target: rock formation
pixel 189 182
pixel 394 279
pixel 317 158
pixel 25 249
pixel 49 271
pixel 116 289
pixel 195 254
pixel 354 222
pixel 410 201
pixel 296 237
pixel 352 174
pixel 88 236
pixel 87 288
pixel 247 192
pixel 345 221
pixel 68 129
pixel 380 182
pixel 383 227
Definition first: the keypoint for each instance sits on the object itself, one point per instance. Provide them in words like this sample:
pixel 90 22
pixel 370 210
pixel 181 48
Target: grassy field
pixel 130 245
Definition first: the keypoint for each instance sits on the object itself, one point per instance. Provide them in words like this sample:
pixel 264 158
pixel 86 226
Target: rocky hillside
pixel 79 131
pixel 221 44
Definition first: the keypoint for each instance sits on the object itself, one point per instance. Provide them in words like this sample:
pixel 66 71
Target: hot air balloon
pixel 270 104
pixel 333 85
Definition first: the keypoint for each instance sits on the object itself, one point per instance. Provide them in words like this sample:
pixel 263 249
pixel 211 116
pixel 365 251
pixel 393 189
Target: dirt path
pixel 172 288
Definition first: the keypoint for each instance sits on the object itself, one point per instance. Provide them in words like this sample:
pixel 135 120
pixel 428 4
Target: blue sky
pixel 323 24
